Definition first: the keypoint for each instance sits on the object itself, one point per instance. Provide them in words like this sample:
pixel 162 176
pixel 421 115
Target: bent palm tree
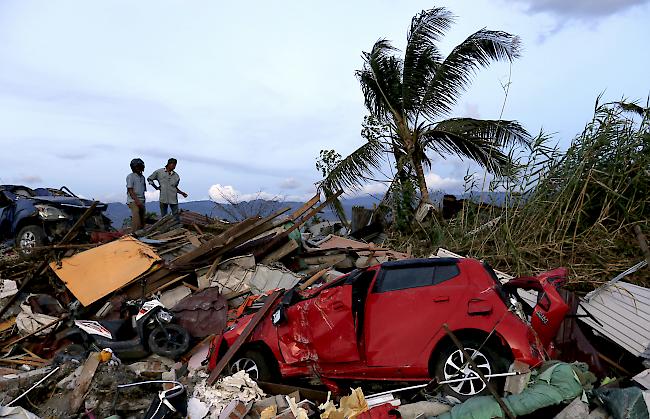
pixel 409 96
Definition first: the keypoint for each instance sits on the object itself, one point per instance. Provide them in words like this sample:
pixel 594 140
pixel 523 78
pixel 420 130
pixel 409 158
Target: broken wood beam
pixel 303 209
pixel 248 330
pixel 281 252
pixel 318 275
pixel 260 253
pixel 475 369
pixel 78 395
pixel 643 243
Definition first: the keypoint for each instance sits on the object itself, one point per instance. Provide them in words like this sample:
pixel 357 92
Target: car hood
pixel 70 202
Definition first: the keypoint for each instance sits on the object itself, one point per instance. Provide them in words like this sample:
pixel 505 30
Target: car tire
pixel 170 348
pixel 30 236
pixel 256 364
pixel 488 360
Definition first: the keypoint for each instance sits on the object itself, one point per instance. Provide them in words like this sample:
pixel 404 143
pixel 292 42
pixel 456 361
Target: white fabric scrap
pixel 28 322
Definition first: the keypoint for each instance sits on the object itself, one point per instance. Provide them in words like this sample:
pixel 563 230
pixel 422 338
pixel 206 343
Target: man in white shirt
pixel 168 181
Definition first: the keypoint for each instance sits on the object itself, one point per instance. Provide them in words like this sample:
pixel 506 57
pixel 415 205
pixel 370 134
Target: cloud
pixel 225 194
pixel 373 188
pixel 214 161
pixel 581 9
pixel 437 182
pixel 72 156
pixel 290 183
pixel 152 195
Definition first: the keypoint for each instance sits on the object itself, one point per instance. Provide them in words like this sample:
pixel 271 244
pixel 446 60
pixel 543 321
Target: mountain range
pixel 118 212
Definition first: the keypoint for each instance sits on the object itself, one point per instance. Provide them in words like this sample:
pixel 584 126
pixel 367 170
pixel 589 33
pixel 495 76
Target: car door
pixel 331 325
pixel 406 307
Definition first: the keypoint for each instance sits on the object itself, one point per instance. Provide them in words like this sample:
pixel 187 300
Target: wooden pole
pixel 239 342
pixel 471 362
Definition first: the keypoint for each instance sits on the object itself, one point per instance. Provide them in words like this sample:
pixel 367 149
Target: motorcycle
pixel 147 328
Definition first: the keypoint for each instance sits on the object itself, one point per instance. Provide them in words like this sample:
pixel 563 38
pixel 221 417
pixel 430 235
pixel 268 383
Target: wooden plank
pixel 316 396
pixel 326 259
pixel 193 239
pixel 643 243
pixel 281 252
pixel 278 239
pixel 248 330
pixel 216 242
pixel 313 279
pixel 300 211
pixel 78 395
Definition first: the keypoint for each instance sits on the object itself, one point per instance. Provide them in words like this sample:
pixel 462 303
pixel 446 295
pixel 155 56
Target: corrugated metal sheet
pixel 623 309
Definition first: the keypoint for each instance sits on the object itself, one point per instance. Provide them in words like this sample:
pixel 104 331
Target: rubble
pixel 213 276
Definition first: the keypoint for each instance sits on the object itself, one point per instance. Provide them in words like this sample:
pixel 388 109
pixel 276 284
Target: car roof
pixel 419 262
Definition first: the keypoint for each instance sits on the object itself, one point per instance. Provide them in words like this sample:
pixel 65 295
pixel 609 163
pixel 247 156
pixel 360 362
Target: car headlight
pixel 49 213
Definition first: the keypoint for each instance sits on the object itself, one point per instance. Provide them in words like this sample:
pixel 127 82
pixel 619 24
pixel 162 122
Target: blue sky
pixel 245 94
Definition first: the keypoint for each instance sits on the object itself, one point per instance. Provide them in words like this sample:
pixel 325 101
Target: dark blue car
pixel 36 217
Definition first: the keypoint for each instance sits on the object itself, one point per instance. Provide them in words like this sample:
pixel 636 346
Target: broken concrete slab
pixel 577 409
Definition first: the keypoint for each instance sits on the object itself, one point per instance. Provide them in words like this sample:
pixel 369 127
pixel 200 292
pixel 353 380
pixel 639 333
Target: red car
pixel 385 323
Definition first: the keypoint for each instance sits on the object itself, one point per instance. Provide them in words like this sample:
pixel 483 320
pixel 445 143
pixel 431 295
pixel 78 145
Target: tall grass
pixel 575 209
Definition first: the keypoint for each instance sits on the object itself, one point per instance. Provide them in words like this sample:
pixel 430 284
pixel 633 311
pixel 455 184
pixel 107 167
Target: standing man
pixel 168 181
pixel 135 188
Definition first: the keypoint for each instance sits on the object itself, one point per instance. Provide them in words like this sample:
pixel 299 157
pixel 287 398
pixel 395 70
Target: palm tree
pixel 409 96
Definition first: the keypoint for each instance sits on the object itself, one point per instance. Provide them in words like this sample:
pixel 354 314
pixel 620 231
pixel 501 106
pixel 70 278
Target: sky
pixel 246 94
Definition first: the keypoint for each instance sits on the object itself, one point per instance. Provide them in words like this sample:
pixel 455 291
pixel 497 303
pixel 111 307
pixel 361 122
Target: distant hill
pixel 118 211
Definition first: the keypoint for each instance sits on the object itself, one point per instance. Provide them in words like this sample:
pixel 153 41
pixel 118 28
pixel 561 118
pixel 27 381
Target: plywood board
pixel 97 272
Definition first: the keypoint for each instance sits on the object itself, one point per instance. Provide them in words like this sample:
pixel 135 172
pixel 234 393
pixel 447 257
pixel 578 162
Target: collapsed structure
pixel 261 317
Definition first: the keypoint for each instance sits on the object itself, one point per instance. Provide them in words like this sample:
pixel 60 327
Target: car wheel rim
pixel 455 368
pixel 28 240
pixel 247 365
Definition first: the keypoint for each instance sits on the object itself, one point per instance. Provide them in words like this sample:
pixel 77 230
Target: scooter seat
pixel 120 329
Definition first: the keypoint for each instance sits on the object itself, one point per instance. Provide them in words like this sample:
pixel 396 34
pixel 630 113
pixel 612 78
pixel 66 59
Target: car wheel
pixel 172 341
pixel 452 365
pixel 255 364
pixel 29 237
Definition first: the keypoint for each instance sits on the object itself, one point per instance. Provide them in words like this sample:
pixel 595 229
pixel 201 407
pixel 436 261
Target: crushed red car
pixel 385 323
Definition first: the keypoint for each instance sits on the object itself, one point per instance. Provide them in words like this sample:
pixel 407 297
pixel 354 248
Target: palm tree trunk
pixel 422 182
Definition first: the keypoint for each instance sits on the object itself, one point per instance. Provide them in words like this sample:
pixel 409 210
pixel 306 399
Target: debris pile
pixel 271 317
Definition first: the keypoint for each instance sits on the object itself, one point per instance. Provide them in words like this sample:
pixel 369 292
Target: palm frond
pixel 422 56
pixel 454 74
pixel 336 205
pixel 500 133
pixel 380 80
pixel 351 171
pixel 477 140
